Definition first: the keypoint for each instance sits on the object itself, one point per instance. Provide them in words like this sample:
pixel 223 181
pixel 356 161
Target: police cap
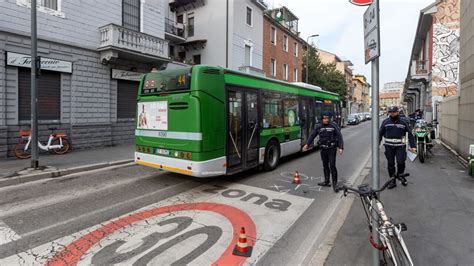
pixel 392 109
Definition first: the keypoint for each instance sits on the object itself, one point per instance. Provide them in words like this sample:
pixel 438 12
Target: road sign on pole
pixel 371 33
pixel 372 54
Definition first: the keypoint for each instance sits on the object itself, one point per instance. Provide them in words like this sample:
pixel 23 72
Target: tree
pixel 323 75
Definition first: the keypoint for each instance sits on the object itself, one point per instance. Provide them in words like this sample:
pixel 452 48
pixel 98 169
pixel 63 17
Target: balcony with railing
pixel 185 5
pixel 420 69
pixel 117 41
pixel 252 70
pixel 174 31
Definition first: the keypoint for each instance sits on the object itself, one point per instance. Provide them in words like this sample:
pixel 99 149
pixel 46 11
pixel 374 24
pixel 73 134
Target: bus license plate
pixel 163 152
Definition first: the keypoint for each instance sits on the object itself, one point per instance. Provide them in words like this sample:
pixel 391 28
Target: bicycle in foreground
pixel 392 244
pixel 57 143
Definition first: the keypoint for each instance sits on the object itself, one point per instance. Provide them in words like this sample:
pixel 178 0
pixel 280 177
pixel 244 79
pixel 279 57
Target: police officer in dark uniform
pixel 394 129
pixel 330 139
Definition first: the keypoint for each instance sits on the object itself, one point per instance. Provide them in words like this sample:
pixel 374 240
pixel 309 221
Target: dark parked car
pixel 353 119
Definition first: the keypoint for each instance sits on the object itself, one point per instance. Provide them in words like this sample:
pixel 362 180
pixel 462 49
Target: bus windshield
pixel 167 80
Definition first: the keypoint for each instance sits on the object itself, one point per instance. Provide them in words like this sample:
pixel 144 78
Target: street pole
pixel 34 114
pixel 307 54
pixel 375 138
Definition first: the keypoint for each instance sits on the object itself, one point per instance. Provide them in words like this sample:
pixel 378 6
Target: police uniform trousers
pixel 399 153
pixel 328 156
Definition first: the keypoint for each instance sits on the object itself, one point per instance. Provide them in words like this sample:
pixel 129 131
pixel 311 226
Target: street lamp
pixel 307 54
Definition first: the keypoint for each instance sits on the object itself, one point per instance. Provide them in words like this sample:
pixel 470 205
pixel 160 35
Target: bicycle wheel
pixel 400 257
pixel 66 146
pixel 20 152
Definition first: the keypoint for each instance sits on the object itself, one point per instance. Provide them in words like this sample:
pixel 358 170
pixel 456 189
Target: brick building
pixel 93 53
pixel 282 46
pixel 344 67
pixel 388 99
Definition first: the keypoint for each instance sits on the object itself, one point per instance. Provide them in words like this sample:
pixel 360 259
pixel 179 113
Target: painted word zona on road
pixel 200 226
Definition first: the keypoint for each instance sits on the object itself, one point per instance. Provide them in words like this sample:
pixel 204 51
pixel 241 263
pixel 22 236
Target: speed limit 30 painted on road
pixel 200 226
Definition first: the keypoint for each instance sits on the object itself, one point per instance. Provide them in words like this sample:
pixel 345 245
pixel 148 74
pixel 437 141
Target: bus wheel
pixel 272 155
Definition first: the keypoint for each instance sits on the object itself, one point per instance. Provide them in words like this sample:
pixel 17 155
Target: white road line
pixel 63 196
pixel 106 209
pixel 7 235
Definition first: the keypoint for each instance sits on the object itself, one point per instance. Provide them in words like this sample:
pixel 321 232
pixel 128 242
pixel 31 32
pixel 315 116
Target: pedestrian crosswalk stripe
pixel 7 235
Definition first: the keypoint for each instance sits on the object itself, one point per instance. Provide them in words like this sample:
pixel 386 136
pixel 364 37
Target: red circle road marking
pixel 73 252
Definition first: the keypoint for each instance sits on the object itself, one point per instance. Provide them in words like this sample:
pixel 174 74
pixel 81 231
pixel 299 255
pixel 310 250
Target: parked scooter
pixel 424 134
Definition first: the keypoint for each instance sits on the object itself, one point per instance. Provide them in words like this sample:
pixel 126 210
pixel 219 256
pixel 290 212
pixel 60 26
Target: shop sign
pixel 23 60
pixel 126 75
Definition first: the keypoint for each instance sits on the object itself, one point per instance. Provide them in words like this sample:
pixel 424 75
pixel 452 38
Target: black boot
pixel 404 181
pixel 334 181
pixel 393 184
pixel 326 179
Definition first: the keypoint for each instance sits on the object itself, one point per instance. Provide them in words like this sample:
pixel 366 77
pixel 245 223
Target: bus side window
pixel 318 110
pixel 273 112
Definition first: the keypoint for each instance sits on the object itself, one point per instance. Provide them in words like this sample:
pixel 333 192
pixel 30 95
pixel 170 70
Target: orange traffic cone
pixel 296 178
pixel 241 248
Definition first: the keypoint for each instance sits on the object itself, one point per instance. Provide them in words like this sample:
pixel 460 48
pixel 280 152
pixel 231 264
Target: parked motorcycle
pixel 423 132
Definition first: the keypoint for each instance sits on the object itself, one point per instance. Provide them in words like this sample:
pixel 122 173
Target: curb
pixel 336 221
pixel 61 172
pixel 463 161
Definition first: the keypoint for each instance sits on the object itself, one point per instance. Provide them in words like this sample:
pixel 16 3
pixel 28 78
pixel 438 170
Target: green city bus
pixel 209 121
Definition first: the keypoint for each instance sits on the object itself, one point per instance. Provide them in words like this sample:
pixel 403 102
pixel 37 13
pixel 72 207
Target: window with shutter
pixel 131 14
pixel 127 98
pixel 49 95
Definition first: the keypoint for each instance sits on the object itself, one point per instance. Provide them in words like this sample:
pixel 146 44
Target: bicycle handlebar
pixel 370 191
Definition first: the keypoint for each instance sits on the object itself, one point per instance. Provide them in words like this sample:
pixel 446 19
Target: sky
pixel 340 28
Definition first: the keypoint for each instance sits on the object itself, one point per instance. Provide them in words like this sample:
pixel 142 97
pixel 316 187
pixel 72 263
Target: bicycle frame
pixel 385 227
pixel 46 147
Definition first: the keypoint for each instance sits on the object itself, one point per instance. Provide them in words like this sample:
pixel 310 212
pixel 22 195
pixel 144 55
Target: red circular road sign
pixel 73 252
pixel 361 2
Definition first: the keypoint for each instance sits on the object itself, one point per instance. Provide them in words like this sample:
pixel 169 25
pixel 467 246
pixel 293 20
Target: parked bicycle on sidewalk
pixel 57 143
pixel 392 244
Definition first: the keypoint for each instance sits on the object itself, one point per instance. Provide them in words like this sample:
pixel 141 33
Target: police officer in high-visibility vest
pixel 394 129
pixel 330 139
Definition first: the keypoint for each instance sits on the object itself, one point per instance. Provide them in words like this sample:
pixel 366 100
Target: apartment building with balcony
pixel 359 98
pixel 92 56
pixel 282 45
pixel 344 67
pixel 217 32
pixel 433 71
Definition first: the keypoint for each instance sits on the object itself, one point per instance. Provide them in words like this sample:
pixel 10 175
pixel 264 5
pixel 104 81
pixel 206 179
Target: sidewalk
pixel 437 207
pixel 17 171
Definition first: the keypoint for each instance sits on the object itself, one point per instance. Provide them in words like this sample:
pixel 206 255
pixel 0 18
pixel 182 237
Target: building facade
pixel 282 46
pixel 456 115
pixel 92 56
pixel 433 72
pixel 388 99
pixel 360 99
pixel 393 87
pixel 344 67
pixel 216 32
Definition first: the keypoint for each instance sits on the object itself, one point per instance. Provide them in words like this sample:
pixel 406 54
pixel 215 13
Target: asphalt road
pixel 124 215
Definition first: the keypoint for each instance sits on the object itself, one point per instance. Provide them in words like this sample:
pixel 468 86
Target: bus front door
pixel 307 118
pixel 304 120
pixel 243 129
